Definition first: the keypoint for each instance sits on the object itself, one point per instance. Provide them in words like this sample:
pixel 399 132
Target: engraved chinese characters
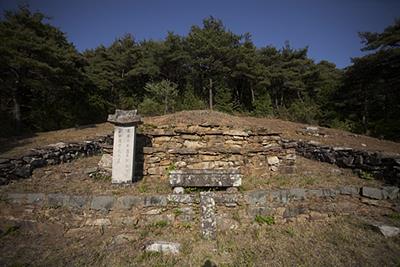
pixel 124 145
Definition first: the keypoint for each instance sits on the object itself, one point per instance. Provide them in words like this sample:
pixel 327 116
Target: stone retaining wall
pixel 22 167
pixel 231 209
pixel 383 166
pixel 253 152
pixel 250 198
pixel 165 148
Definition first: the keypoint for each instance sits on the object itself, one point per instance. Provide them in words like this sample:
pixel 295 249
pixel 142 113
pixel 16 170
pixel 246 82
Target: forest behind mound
pixel 46 84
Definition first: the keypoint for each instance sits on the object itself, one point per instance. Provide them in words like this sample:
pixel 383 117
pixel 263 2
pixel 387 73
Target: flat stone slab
pixel 389 231
pixel 208 218
pixel 164 247
pixel 205 178
pixel 125 117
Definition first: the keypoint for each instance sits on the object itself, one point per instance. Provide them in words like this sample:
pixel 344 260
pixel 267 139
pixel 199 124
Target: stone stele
pixel 123 166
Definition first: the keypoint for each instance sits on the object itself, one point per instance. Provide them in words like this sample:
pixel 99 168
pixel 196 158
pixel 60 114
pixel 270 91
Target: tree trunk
pixel 16 106
pixel 299 97
pixel 210 92
pixel 365 116
pixel 16 112
pixel 252 95
pixel 166 105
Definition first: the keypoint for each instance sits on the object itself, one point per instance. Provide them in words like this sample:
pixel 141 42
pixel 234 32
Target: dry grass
pixel 71 178
pixel 20 145
pixel 287 128
pixel 58 237
pixel 309 174
pixel 340 241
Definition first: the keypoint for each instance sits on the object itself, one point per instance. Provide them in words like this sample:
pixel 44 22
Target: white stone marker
pixel 123 166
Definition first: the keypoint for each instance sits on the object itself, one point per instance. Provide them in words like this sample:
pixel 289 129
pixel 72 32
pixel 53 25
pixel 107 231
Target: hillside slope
pixel 290 130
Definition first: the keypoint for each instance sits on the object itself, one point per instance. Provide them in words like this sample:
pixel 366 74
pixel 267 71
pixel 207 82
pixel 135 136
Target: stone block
pixel 193 144
pixel 35 198
pixel 228 199
pixel 329 192
pixel 279 196
pixel 390 192
pixel 23 171
pixel 178 190
pixel 236 133
pixel 57 200
pixel 349 190
pixel 371 192
pixel 156 170
pixel 389 231
pixel 208 218
pixel 98 222
pixel 102 203
pixel 182 198
pixel 183 151
pixel 256 197
pixel 17 198
pixel 125 117
pixel 123 154
pixel 202 165
pixel 315 193
pixel 163 247
pixel 205 178
pixel 297 193
pixel 273 160
pixel 105 162
pixel 155 201
pixel 190 136
pixel 127 202
pixel 78 202
pixel 37 163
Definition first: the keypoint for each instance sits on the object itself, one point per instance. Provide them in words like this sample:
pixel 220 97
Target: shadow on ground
pixel 6 144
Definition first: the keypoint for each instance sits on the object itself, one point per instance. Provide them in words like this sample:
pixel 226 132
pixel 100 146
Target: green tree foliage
pixel 164 93
pixel 46 84
pixel 263 106
pixel 370 96
pixel 43 86
pixel 150 107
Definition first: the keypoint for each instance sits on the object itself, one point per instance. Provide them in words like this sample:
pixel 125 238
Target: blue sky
pixel 328 27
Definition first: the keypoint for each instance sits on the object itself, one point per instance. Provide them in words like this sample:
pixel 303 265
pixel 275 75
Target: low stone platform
pixel 205 178
pixel 217 211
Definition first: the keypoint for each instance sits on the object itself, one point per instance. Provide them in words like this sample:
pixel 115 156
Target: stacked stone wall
pixel 231 209
pixel 253 152
pixel 383 166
